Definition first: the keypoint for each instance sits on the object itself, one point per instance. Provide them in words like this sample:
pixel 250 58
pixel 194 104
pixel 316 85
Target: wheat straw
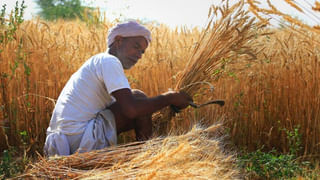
pixel 292 4
pixel 316 6
pixel 193 155
pixel 274 11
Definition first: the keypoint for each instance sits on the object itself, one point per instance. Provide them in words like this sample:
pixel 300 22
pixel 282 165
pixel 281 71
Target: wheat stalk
pixel 224 38
pixel 316 6
pixel 274 11
pixel 292 4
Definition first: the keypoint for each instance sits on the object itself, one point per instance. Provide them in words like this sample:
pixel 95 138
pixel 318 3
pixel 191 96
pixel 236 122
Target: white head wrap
pixel 128 29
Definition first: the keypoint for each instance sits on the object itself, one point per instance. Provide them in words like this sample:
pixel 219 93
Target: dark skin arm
pixel 132 107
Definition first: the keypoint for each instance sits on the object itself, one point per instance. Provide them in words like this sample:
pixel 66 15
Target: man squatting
pixel 97 102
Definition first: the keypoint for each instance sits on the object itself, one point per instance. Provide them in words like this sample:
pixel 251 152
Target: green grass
pixel 271 165
pixel 274 165
pixel 12 164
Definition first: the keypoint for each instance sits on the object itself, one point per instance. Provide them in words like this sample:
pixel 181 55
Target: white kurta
pixel 87 93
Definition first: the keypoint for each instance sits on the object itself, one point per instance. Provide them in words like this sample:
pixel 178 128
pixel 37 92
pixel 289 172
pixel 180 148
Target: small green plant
pixel 294 139
pixel 8 29
pixel 5 164
pixel 11 161
pixel 10 26
pixel 10 166
pixel 272 164
pixel 238 101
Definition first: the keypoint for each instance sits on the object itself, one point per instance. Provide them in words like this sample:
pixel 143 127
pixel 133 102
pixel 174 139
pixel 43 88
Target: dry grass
pixel 195 155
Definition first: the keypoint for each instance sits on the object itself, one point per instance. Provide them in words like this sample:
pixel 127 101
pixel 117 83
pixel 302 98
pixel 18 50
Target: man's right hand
pixel 178 99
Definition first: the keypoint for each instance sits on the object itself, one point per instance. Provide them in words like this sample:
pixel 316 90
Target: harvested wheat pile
pixel 195 155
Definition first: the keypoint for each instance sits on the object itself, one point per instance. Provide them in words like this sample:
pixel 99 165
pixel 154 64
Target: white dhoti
pixel 99 133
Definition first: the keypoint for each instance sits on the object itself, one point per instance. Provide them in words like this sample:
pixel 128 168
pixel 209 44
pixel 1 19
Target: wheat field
pixel 272 88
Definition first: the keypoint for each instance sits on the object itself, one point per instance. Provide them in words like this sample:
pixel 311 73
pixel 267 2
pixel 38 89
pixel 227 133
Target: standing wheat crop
pixel 226 36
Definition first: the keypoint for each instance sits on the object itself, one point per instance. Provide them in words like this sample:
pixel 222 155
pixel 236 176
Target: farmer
pixel 97 102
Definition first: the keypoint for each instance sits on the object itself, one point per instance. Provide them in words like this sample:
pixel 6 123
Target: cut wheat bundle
pixel 196 154
pixel 227 36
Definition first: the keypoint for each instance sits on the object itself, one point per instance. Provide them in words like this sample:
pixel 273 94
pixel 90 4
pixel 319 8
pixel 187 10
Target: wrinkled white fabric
pixel 80 108
pixel 87 92
pixel 99 133
pixel 110 128
pixel 56 144
pixel 128 29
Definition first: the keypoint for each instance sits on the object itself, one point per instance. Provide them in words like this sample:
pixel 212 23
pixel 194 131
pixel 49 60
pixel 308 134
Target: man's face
pixel 130 50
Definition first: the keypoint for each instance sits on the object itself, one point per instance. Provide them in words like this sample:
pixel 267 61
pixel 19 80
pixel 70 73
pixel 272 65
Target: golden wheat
pixel 292 4
pixel 196 154
pixel 274 11
pixel 227 38
pixel 316 6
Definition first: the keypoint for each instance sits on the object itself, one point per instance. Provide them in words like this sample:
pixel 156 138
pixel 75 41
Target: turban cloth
pixel 128 29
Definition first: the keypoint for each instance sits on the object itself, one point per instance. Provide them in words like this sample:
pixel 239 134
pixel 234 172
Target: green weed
pixel 274 165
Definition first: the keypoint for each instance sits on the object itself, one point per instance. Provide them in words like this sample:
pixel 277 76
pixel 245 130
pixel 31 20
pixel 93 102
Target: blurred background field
pixel 272 95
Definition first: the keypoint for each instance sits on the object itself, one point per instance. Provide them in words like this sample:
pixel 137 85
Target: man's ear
pixel 118 41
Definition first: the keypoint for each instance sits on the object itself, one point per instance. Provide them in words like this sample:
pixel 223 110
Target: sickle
pixel 219 102
pixel 192 104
